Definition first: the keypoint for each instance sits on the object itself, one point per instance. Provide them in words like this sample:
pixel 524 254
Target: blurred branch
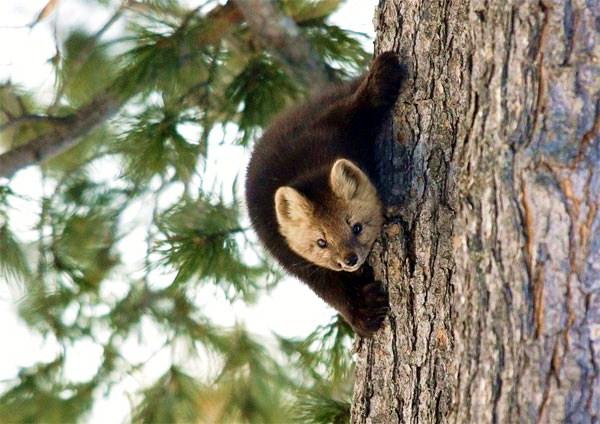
pixel 223 19
pixel 278 32
pixel 45 12
pixel 210 236
pixel 282 38
pixel 92 44
pixel 65 135
pixel 31 118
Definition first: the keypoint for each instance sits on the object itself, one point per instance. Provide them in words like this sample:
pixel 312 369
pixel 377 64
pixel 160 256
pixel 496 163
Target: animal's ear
pixel 290 205
pixel 347 180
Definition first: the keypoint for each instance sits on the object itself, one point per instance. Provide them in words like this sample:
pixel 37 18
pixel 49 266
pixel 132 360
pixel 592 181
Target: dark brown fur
pixel 299 150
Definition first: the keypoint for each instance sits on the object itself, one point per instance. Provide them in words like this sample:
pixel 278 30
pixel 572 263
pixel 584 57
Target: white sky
pixel 291 309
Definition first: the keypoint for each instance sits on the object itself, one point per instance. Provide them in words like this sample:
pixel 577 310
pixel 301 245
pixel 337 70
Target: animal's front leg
pixel 379 89
pixel 369 304
pixel 361 300
pixel 363 113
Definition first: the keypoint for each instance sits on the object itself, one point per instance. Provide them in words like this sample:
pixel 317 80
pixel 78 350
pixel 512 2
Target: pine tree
pixel 121 152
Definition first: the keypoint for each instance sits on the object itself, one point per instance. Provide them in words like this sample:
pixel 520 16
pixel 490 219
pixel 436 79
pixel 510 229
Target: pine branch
pixel 88 50
pixel 282 38
pixel 223 19
pixel 65 135
pixel 31 118
pixel 278 32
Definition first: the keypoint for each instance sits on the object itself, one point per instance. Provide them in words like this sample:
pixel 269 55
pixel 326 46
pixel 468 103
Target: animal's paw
pixel 385 78
pixel 370 309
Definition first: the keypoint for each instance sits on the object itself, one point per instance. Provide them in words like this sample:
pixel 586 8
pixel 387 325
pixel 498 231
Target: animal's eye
pixel 322 243
pixel 357 228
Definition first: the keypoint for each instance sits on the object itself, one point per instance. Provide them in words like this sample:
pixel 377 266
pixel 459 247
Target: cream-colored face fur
pixel 329 240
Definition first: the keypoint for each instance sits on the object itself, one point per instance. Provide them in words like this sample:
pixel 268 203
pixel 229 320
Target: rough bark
pixel 492 248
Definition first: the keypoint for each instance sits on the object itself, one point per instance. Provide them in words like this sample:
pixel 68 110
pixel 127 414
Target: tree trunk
pixel 491 252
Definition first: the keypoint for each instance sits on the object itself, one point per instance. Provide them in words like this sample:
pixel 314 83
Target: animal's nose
pixel 351 259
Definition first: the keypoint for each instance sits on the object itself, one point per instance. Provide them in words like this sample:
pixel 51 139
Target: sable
pixel 310 194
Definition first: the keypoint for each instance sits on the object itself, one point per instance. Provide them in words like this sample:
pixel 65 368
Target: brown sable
pixel 310 194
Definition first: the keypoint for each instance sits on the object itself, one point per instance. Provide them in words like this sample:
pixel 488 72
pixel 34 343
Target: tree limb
pixel 278 32
pixel 282 38
pixel 64 136
pixel 67 132
pixel 30 118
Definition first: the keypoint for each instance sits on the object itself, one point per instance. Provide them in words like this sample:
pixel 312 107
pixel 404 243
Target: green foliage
pixel 86 68
pixel 200 241
pixel 14 101
pixel 306 10
pixel 41 396
pixel 259 91
pixel 324 352
pixel 153 145
pixel 172 399
pixel 337 47
pixel 251 384
pixel 84 231
pixel 18 121
pixel 314 407
pixel 13 264
pixel 82 247
pixel 167 58
pixel 72 160
pixel 130 245
pixel 326 364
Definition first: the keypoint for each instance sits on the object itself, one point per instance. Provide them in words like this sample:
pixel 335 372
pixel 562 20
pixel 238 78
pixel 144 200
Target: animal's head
pixel 339 232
